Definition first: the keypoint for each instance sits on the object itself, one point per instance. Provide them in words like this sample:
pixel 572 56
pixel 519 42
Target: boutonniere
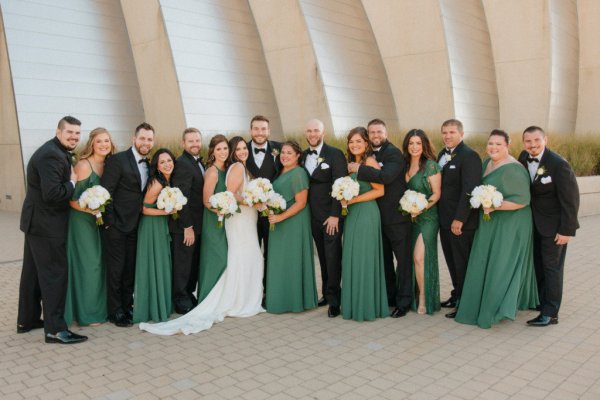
pixel 449 157
pixel 72 159
pixel 320 160
pixel 541 171
pixel 275 153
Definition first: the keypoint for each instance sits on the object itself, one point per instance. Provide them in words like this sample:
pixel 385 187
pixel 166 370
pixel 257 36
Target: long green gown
pixel 213 246
pixel 291 283
pixel 427 225
pixel 364 294
pixel 500 277
pixel 86 290
pixel 152 290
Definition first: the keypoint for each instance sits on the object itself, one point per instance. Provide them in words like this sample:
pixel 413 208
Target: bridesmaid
pixel 291 283
pixel 86 290
pixel 152 290
pixel 424 176
pixel 364 295
pixel 213 242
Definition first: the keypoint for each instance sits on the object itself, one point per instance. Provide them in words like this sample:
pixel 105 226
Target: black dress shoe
pixel 399 312
pixel 333 311
pixel 121 320
pixel 65 337
pixel 451 314
pixel 182 310
pixel 26 328
pixel 450 303
pixel 322 302
pixel 543 320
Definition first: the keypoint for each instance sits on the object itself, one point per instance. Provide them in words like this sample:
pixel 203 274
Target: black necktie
pixel 256 151
pixel 143 160
pixel 312 152
pixel 532 159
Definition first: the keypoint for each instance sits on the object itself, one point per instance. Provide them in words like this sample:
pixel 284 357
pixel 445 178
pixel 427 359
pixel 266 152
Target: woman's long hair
pixel 154 174
pixel 216 140
pixel 362 131
pixel 428 149
pixel 232 159
pixel 88 150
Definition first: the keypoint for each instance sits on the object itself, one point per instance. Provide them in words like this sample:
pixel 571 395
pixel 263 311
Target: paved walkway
pixel 309 356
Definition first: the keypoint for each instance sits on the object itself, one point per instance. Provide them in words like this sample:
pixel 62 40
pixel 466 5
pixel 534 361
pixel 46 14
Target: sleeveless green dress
pixel 427 225
pixel 213 247
pixel 152 290
pixel 500 276
pixel 364 294
pixel 291 283
pixel 86 290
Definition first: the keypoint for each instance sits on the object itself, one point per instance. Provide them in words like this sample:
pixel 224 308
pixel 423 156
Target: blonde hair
pixel 88 150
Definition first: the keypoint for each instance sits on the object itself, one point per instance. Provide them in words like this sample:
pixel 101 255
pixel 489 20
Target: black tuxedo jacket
pixel 391 174
pixel 459 176
pixel 187 176
pixel 46 207
pixel 332 167
pixel 123 181
pixel 554 196
pixel 271 164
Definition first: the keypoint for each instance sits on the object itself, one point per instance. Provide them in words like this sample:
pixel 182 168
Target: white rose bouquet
pixel 412 203
pixel 95 199
pixel 344 188
pixel 225 204
pixel 276 204
pixel 257 191
pixel 486 196
pixel 171 200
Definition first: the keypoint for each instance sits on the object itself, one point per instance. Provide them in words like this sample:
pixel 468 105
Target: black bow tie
pixel 312 152
pixel 199 160
pixel 256 151
pixel 375 152
pixel 532 159
pixel 143 160
pixel 446 151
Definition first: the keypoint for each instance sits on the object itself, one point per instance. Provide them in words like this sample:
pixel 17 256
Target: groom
pixel 554 204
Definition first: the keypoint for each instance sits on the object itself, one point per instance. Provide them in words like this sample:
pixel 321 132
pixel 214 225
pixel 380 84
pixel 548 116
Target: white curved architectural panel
pixel 70 59
pixel 588 117
pixel 220 65
pixel 471 64
pixel 355 80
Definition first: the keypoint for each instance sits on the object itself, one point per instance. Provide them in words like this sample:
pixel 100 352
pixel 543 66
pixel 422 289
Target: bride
pixel 238 292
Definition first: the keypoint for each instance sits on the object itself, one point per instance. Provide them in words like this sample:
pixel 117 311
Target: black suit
pixel 269 169
pixel 123 181
pixel 395 227
pixel 459 176
pixel 554 205
pixel 332 166
pixel 44 221
pixel 187 176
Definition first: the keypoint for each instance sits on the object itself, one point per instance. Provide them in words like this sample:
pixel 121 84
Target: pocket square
pixel 452 167
pixel 324 165
pixel 546 179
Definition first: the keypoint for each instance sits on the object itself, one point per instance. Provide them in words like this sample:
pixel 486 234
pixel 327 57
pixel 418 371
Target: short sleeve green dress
pixel 500 277
pixel 427 224
pixel 291 283
pixel 364 294
pixel 213 246
pixel 152 290
pixel 86 290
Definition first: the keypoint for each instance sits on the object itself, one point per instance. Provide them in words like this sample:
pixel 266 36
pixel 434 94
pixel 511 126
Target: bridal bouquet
pixel 413 203
pixel 171 199
pixel 276 204
pixel 344 188
pixel 257 191
pixel 95 199
pixel 225 204
pixel 486 196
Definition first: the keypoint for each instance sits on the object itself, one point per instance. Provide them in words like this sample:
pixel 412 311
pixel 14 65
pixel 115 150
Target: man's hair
pixel 376 121
pixel 258 118
pixel 143 125
pixel 68 120
pixel 534 128
pixel 454 122
pixel 190 130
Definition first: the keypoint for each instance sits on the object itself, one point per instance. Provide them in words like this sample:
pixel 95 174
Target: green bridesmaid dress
pixel 500 277
pixel 152 290
pixel 213 247
pixel 364 295
pixel 86 290
pixel 428 226
pixel 291 283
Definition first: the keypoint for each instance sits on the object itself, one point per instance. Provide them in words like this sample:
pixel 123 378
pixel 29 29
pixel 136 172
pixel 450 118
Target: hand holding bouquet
pixel 344 188
pixel 257 191
pixel 276 204
pixel 171 200
pixel 95 199
pixel 488 197
pixel 225 204
pixel 413 203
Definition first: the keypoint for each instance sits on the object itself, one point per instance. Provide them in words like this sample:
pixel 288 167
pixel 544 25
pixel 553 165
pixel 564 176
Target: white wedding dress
pixel 238 292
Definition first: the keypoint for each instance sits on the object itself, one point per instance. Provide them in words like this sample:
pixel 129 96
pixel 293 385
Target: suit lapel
pixel 133 164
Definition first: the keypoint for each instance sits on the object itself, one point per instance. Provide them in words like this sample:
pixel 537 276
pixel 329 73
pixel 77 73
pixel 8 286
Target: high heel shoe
pixel 421 310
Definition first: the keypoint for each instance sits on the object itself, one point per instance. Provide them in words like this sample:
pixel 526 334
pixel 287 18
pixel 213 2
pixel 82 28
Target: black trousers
pixel 186 261
pixel 329 250
pixel 549 261
pixel 43 282
pixel 119 250
pixel 262 228
pixel 456 252
pixel 396 243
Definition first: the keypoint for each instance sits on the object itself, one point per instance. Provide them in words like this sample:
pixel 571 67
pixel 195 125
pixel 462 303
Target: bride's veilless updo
pixel 214 141
pixel 362 132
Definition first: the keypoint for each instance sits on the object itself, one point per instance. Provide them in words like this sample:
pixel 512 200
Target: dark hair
pixel 214 141
pixel 258 118
pixel 453 122
pixel 362 131
pixel 154 174
pixel 143 125
pixel 428 149
pixel 191 130
pixel 294 145
pixel 534 128
pixel 376 121
pixel 67 119
pixel 500 132
pixel 233 143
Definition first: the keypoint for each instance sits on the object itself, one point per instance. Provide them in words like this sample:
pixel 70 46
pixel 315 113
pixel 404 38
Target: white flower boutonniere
pixel 320 160
pixel 447 157
pixel 275 153
pixel 541 171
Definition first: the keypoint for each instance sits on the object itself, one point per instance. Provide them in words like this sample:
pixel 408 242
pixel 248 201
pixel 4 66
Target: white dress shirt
pixel 533 166
pixel 311 161
pixel 142 167
pixel 443 161
pixel 260 156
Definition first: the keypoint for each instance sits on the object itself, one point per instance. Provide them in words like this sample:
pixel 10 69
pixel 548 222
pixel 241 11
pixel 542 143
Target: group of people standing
pixel 142 264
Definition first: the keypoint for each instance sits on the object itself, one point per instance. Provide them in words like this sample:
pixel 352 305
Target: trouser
pixel 396 243
pixel 329 250
pixel 186 260
pixel 456 252
pixel 119 252
pixel 549 261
